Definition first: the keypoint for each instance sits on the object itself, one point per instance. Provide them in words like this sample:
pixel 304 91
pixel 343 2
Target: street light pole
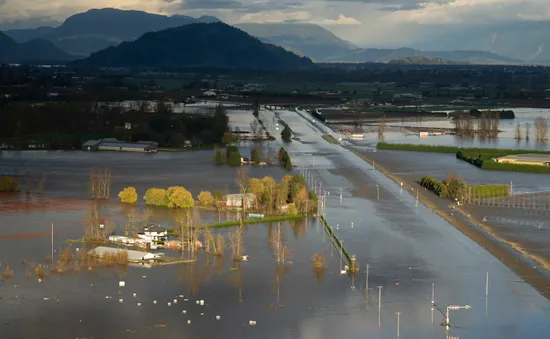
pixel 367 283
pixel 453 308
pixel 398 314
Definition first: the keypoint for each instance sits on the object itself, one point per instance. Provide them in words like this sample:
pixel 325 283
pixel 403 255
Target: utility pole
pixel 367 283
pixel 340 255
pixel 433 294
pixel 52 242
pixel 398 321
pixel 378 192
pixel 379 303
pixel 487 285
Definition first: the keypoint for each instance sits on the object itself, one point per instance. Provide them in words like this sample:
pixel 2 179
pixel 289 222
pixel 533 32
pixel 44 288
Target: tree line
pixel 66 125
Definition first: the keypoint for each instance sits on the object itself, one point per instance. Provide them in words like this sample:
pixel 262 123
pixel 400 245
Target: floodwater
pixel 506 138
pixel 407 246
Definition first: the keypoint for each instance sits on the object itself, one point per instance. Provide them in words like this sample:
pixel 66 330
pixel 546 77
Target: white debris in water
pixel 202 302
pixel 46 298
pixel 175 301
pixel 121 283
pixel 343 272
pixel 121 300
pixel 197 301
pixel 39 280
pixel 185 299
pixel 202 313
pixel 180 296
pixel 169 304
pixel 139 304
pixel 252 322
pixel 184 311
pixel 134 295
pixel 244 258
pixel 154 302
pixel 217 317
pixel 188 321
pixel 144 276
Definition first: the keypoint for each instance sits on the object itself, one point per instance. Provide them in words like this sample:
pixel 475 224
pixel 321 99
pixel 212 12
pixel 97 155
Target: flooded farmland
pixel 406 246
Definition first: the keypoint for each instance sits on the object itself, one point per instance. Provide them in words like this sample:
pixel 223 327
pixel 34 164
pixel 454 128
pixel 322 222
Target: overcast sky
pixel 364 22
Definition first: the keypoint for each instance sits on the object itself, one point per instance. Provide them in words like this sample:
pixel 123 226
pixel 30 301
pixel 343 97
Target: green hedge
pixel 417 148
pixel 435 186
pixel 498 166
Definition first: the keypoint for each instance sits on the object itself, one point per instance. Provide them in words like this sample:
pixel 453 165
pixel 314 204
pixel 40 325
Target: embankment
pixel 509 253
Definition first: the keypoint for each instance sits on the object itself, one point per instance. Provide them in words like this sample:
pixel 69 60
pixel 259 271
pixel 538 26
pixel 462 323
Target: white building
pixel 236 200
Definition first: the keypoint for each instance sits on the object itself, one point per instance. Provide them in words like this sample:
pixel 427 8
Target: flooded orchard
pixel 407 247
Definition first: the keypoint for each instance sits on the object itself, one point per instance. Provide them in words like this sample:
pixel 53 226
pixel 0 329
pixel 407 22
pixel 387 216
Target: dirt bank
pixel 471 225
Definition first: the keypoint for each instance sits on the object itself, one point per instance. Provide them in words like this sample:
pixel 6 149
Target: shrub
pixel 435 186
pixel 156 197
pixel 205 198
pixel 233 156
pixel 292 210
pixel 417 148
pixel 286 134
pixel 8 184
pixel 128 195
pixel 255 156
pixel 179 197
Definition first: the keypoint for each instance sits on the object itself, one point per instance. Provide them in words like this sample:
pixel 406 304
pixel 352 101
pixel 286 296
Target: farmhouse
pixel 236 200
pixel 525 159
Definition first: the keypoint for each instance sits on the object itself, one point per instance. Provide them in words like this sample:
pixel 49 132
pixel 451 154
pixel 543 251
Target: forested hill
pixel 215 45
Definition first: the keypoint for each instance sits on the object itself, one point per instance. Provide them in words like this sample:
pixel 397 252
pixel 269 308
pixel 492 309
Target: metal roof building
pixel 112 144
pixel 133 256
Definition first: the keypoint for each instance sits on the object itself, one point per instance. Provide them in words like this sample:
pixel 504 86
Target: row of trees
pixel 487 124
pixel 271 196
pixel 541 130
pixel 69 124
pixel 284 159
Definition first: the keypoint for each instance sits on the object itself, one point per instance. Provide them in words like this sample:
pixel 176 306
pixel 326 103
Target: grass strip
pixel 333 236
pixel 330 139
pixel 251 221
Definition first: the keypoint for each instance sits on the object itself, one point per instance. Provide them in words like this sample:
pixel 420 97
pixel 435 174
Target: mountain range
pixel 212 45
pixel 94 30
pixel 35 50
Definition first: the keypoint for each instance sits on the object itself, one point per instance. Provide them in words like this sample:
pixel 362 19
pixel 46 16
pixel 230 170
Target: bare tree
pixel 518 131
pixel 242 183
pixel 527 131
pixel 541 129
pixel 100 184
pixel 381 128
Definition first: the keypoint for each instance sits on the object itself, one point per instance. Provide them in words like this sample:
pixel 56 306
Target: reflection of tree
pixel 299 227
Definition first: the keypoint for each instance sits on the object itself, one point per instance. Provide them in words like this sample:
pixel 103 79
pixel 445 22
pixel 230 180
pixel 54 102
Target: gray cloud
pixel 210 4
pixel 396 5
pixel 245 6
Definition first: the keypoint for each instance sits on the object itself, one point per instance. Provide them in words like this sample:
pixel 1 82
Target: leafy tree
pixel 268 192
pixel 9 184
pixel 286 134
pixel 292 210
pixel 128 195
pixel 179 197
pixel 156 197
pixel 288 164
pixel 233 156
pixel 282 153
pixel 256 187
pixel 218 195
pixel 205 198
pixel 255 155
pixel 228 138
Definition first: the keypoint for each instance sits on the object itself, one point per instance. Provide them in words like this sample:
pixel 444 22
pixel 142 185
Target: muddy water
pixel 407 247
pixel 505 140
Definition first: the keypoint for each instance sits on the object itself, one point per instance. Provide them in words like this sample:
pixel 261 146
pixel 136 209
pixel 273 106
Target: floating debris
pixel 121 300
pixel 185 299
pixel 202 302
pixel 217 317
pixel 121 283
pixel 134 295
pixel 169 304
pixel 188 321
pixel 154 302
pixel 184 311
pixel 46 298
pixel 244 258
pixel 197 302
pixel 202 313
pixel 139 304
pixel 252 322
pixel 144 276
pixel 180 296
pixel 175 301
